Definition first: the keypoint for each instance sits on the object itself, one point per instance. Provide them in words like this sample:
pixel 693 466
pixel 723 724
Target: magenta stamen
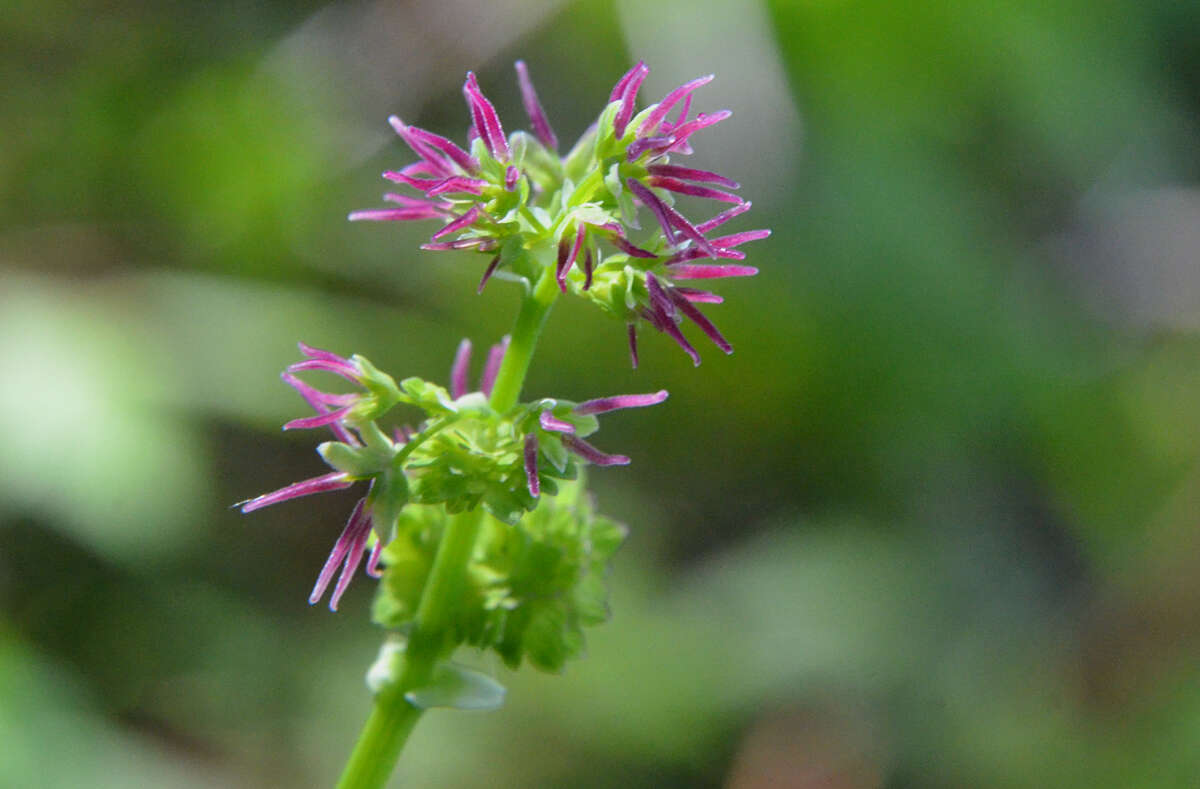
pixel 487 122
pixel 550 422
pixel 533 108
pixel 629 98
pixel 320 420
pixel 700 271
pixel 373 560
pixel 492 368
pixel 700 296
pixel 656 206
pixel 633 349
pixel 487 273
pixel 393 215
pixel 650 125
pixel 723 217
pixel 684 188
pixel 591 454
pixel 603 405
pixel 335 481
pixel 692 174
pixel 340 549
pixel 458 370
pixel 700 320
pixel 458 224
pixel 737 239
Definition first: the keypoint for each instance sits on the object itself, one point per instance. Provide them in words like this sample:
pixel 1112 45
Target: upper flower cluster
pixel 460 453
pixel 575 217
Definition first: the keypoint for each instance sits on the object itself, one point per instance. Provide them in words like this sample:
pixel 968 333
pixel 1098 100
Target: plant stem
pixel 431 641
pixel 393 718
pixel 535 306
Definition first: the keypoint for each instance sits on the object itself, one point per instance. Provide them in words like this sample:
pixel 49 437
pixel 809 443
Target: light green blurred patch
pixel 51 737
pixel 87 445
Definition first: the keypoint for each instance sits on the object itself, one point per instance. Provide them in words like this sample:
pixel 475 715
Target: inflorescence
pixel 516 200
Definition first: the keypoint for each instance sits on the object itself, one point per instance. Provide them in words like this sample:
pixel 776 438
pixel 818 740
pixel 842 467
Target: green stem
pixel 535 306
pixel 431 640
pixel 393 718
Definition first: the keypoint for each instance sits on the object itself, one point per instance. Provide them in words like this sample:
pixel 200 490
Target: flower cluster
pixel 460 453
pixel 535 213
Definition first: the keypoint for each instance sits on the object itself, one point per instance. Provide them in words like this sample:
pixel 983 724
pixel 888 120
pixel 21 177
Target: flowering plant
pixel 475 515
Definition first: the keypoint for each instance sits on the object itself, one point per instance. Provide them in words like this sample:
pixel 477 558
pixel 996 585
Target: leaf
pixel 460 688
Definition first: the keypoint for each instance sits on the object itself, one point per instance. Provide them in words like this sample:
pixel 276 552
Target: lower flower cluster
pixel 531 588
pixel 538 574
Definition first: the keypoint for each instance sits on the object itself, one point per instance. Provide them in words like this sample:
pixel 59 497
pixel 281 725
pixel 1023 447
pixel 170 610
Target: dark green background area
pixel 936 523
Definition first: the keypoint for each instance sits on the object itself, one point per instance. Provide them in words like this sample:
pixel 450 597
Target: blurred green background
pixel 933 525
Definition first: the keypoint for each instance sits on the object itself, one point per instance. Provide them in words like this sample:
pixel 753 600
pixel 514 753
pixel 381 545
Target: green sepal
pixel 355 461
pixel 458 687
pixel 552 449
pixel 579 159
pixel 387 499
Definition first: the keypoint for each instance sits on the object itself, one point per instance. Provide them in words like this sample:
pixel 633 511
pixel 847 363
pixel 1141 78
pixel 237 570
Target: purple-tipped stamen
pixel 702 121
pixel 550 422
pixel 723 217
pixel 531 465
pixel 668 125
pixel 619 89
pixel 631 330
pixel 487 122
pixel 320 420
pixel 457 183
pixel 327 482
pixel 492 368
pixel 656 206
pixel 602 405
pixel 694 190
pixel 349 546
pixel 692 174
pixel 458 370
pixel 487 273
pixel 405 176
pixel 689 230
pixel 737 239
pixel 565 262
pixel 587 269
pixel 337 366
pixel 591 454
pixel 458 224
pixel 435 161
pixel 511 176
pixel 663 321
pixel 394 214
pixel 627 91
pixel 533 108
pixel 373 560
pixel 448 148
pixel 700 320
pixel 560 263
pixel 658 297
pixel 650 125
pixel 700 271
pixel 643 144
pixel 319 401
pixel 686 255
pixel 700 296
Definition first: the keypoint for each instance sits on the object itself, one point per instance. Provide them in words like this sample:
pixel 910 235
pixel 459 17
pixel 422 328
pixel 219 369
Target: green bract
pixel 531 586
